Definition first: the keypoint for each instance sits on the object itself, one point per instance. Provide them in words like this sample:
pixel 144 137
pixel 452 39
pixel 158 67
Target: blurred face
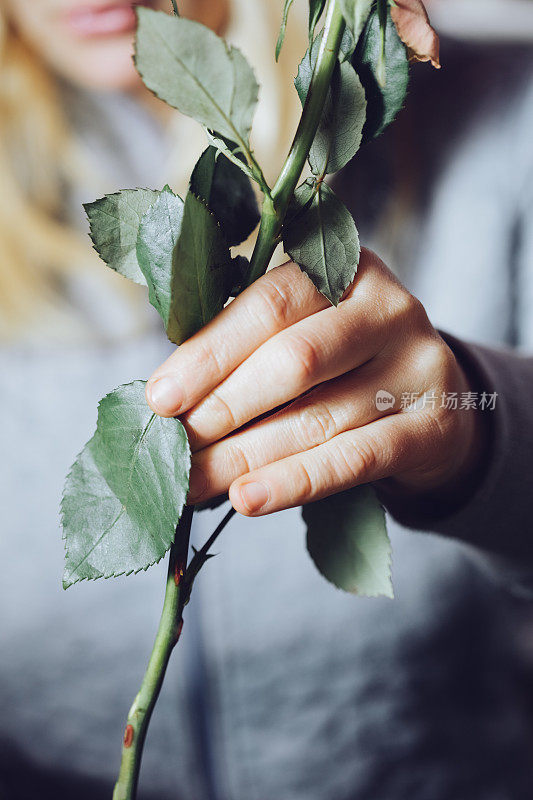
pixel 89 42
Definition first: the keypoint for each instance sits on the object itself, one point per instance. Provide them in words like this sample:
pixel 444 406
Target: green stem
pixel 178 589
pixel 275 205
pixel 266 241
pixel 167 636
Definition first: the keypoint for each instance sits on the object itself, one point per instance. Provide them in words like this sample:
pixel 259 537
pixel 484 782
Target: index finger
pixel 282 297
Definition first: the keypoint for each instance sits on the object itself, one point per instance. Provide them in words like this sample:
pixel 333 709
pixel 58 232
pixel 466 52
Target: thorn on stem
pixel 179 572
pixel 128 736
pixel 179 630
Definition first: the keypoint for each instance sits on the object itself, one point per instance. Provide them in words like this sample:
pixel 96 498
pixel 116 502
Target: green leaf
pixel 347 539
pixel 158 233
pixel 339 134
pixel 356 12
pixel 202 272
pixel 306 67
pixel 230 150
pixel 227 192
pixel 114 221
pixel 383 101
pixel 283 28
pixel 240 270
pixel 383 15
pixel 194 70
pixel 126 490
pixel 187 264
pixel 322 238
pixel 316 9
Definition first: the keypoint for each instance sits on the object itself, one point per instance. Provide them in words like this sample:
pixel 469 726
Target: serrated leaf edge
pixel 125 573
pixel 305 208
pixel 139 10
pixel 87 206
pixel 211 214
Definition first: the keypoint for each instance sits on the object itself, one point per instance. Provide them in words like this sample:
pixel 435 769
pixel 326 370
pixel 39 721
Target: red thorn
pixel 179 572
pixel 180 628
pixel 128 736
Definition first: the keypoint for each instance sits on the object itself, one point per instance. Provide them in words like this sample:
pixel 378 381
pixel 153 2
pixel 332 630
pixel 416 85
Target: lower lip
pixel 111 20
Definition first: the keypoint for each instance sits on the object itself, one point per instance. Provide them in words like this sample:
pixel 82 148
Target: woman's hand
pixel 281 344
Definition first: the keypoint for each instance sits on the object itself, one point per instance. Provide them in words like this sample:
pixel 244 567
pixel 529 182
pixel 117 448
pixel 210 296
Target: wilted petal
pixel 414 29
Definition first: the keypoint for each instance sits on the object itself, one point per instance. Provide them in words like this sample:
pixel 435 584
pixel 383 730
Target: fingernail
pixel 254 495
pixel 166 396
pixel 197 483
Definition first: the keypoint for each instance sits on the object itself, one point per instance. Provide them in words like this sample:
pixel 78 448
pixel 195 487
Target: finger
pixel 386 447
pixel 316 349
pixel 280 298
pixel 335 407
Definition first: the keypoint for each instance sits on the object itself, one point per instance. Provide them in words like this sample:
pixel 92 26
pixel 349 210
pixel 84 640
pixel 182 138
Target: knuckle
pixel 222 411
pixel 408 310
pixel 304 482
pixel 304 359
pixel 209 360
pixel 438 362
pixel 371 269
pixel 363 287
pixel 359 458
pixel 275 301
pixel 236 461
pixel 317 425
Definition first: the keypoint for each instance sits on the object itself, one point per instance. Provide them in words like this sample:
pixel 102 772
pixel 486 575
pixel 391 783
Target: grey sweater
pixel 282 686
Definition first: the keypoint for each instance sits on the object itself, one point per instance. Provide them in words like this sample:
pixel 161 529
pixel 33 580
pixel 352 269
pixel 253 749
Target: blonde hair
pixel 39 157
